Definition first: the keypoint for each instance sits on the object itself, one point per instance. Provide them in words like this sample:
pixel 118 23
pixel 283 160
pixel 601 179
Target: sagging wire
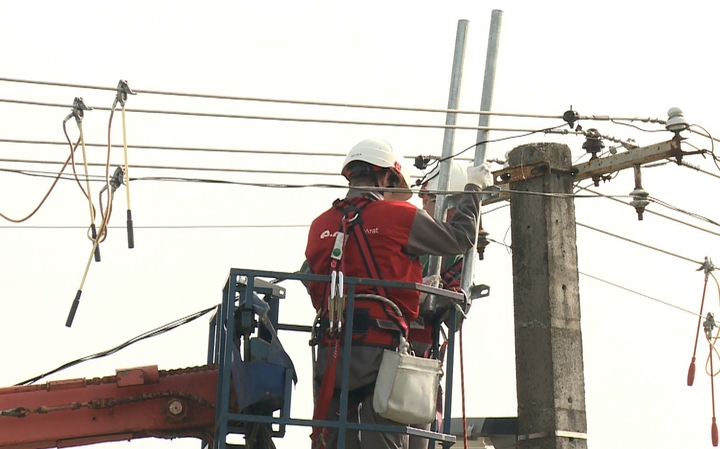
pixel 52 186
pixel 425 162
pixel 712 143
pixel 78 113
pixel 152 333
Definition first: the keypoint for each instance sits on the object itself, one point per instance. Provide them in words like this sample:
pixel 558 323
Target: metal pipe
pixel 468 269
pixel 448 142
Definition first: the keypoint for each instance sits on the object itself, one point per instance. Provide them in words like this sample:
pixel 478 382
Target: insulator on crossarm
pixel 676 121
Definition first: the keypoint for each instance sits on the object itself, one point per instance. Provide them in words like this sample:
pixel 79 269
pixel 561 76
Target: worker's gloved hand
pixel 433 280
pixel 480 175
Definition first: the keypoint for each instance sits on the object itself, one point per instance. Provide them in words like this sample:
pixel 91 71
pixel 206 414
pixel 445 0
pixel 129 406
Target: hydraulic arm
pixel 135 403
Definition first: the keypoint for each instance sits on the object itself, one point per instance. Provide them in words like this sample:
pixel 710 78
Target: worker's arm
pixel 430 236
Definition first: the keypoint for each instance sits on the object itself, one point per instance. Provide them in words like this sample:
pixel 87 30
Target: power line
pixel 275 118
pixel 167 167
pixel 639 243
pixel 233 226
pixel 682 211
pixel 179 148
pixel 149 334
pixel 277 185
pixel 509 248
pixel 650 211
pixel 640 294
pixel 274 100
pixel 698 169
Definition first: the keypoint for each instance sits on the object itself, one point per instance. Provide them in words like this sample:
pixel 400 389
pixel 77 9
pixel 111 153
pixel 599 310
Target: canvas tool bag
pixel 407 386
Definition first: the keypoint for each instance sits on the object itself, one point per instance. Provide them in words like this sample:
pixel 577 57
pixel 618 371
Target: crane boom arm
pixel 134 403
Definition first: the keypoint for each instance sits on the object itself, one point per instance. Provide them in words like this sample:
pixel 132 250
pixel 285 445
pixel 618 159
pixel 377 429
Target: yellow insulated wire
pixel 87 179
pixel 125 152
pixel 76 301
pixel 96 248
pixel 130 232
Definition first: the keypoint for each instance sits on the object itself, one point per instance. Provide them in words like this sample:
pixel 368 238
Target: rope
pixel 462 389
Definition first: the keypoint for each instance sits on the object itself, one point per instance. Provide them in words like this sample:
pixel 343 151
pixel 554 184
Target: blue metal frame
pixel 222 330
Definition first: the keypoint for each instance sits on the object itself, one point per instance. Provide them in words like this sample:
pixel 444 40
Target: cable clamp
pixel 123 90
pixel 77 110
pixel 707 267
pixel 116 180
pixel 709 324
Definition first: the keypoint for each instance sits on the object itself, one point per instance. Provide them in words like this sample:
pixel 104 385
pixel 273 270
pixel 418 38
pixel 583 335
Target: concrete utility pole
pixel 548 340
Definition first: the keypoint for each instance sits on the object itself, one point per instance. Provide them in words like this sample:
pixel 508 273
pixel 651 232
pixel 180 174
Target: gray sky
pixel 623 59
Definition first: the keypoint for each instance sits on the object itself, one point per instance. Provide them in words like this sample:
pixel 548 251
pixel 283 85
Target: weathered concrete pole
pixel 548 340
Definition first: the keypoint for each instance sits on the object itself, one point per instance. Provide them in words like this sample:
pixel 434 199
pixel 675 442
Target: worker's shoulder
pixel 391 205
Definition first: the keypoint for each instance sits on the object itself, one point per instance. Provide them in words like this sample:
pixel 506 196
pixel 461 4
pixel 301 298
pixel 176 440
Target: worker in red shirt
pixel 380 239
pixel 422 332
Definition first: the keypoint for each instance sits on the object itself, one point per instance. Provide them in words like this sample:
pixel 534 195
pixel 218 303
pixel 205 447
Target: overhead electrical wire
pixel 698 169
pixel 336 104
pixel 674 306
pixel 231 226
pixel 650 211
pixel 639 243
pixel 149 334
pixel 277 118
pixel 299 102
pixel 199 149
pixel 169 167
pixel 682 211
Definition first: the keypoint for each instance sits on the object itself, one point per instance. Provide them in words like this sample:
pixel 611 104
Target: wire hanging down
pixel 152 333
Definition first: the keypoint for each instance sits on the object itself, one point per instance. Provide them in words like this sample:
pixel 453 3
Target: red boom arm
pixel 135 403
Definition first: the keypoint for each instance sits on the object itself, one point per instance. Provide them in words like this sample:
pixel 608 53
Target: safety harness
pixel 351 224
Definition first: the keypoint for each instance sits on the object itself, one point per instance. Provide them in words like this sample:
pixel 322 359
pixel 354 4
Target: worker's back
pixel 386 225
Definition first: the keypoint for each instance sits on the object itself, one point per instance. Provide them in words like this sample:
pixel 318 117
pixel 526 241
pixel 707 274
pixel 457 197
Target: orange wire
pixel 462 388
pixel 52 186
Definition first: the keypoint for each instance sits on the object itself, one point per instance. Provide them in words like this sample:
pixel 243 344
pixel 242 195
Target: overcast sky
pixel 622 59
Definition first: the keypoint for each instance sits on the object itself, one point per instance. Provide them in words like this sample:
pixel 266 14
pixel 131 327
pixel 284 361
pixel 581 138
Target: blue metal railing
pixel 239 285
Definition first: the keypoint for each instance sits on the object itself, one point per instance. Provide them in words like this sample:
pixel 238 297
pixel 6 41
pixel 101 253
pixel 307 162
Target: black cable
pixel 500 139
pixel 153 333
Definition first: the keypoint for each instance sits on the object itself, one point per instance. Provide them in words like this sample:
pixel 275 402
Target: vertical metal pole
pixel 468 269
pixel 448 140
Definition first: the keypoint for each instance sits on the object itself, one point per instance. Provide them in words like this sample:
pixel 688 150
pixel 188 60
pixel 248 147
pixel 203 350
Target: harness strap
pixel 351 218
pixel 322 403
pixel 449 276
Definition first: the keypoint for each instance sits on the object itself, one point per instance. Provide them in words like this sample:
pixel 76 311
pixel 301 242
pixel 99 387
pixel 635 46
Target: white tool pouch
pixel 406 387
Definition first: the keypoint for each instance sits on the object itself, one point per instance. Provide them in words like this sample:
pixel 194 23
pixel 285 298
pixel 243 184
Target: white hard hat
pixel 458 178
pixel 379 153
